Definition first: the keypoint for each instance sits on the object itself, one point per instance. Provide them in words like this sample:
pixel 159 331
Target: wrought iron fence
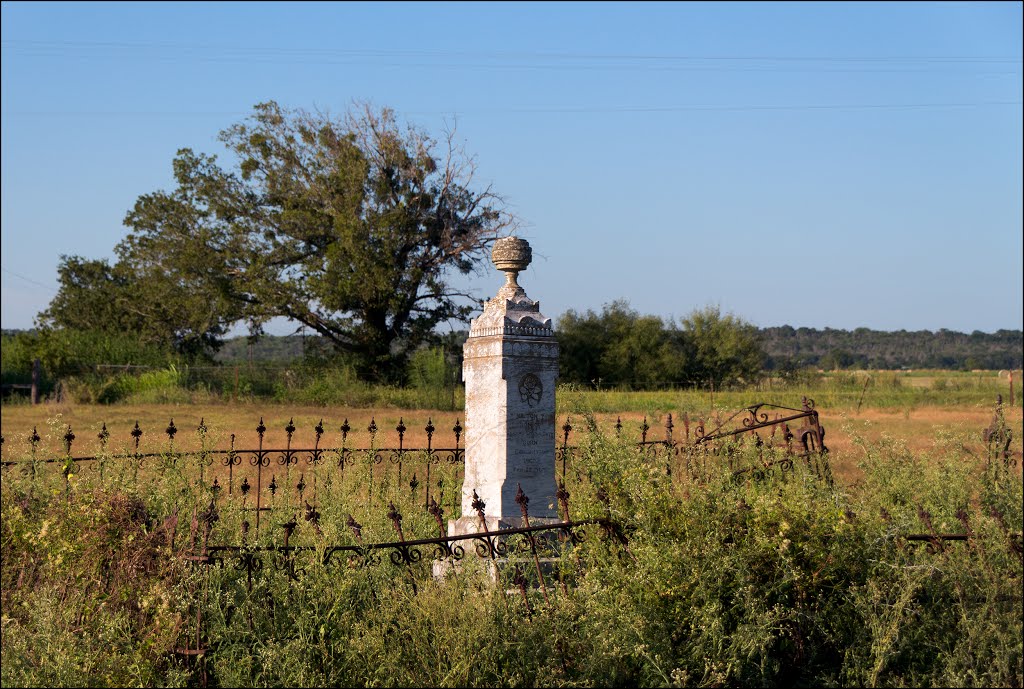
pixel 689 453
pixel 767 427
pixel 997 437
pixel 503 550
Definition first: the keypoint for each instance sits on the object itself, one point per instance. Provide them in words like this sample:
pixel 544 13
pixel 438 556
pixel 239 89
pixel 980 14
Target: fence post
pixel 37 367
pixel 867 379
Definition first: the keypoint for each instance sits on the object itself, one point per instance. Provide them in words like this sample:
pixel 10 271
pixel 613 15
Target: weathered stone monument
pixel 510 369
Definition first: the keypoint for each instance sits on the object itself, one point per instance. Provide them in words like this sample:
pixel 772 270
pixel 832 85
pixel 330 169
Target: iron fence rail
pixel 811 436
pixel 775 451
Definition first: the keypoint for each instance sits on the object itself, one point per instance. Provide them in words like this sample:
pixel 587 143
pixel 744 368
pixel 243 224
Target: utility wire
pixel 549 110
pixel 29 280
pixel 22 44
pixel 503 60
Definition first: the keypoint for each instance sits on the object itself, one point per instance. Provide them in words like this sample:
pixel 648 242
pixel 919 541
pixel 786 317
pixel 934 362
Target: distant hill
pixel 863 348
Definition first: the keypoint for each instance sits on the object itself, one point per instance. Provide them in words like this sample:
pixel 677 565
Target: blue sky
pixel 821 165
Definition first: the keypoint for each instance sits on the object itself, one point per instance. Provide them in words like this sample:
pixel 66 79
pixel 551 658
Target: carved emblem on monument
pixel 530 389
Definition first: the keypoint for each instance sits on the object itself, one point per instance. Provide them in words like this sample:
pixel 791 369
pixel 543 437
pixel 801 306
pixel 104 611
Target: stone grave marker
pixel 510 369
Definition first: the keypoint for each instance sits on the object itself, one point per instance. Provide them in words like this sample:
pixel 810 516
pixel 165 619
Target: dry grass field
pixel 922 430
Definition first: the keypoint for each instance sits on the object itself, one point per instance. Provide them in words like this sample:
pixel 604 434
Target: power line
pixel 550 110
pixel 29 280
pixel 123 113
pixel 508 54
pixel 721 108
pixel 495 60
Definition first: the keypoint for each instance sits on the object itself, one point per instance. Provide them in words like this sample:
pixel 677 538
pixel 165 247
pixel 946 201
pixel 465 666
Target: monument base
pixel 497 561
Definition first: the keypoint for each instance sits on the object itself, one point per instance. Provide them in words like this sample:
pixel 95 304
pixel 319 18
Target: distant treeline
pixel 784 347
pixel 788 347
pixel 613 348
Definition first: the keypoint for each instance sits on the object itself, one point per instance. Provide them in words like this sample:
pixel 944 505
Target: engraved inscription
pixel 530 389
pixel 525 431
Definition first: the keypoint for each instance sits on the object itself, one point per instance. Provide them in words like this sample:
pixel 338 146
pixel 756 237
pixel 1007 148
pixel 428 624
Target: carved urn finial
pixel 511 255
pixel 510 311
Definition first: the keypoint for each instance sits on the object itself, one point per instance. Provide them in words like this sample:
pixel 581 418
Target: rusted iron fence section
pixel 416 464
pixel 938 543
pixel 725 437
pixel 257 473
pixel 998 436
pixel 502 552
pixel 781 435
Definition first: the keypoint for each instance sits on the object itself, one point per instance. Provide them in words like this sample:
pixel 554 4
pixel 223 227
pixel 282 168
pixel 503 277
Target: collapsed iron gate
pixel 692 451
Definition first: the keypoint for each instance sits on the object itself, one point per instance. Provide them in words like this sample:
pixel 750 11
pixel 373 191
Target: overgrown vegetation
pixel 133 373
pixel 724 581
pixel 833 390
pixel 78 358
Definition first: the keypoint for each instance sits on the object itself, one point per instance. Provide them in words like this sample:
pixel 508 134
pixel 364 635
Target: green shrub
pixel 77 358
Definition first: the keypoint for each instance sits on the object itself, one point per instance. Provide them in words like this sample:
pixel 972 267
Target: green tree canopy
pixel 621 347
pixel 155 298
pixel 351 226
pixel 726 349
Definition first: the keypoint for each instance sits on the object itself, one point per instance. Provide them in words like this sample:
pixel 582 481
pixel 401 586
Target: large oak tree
pixel 351 226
